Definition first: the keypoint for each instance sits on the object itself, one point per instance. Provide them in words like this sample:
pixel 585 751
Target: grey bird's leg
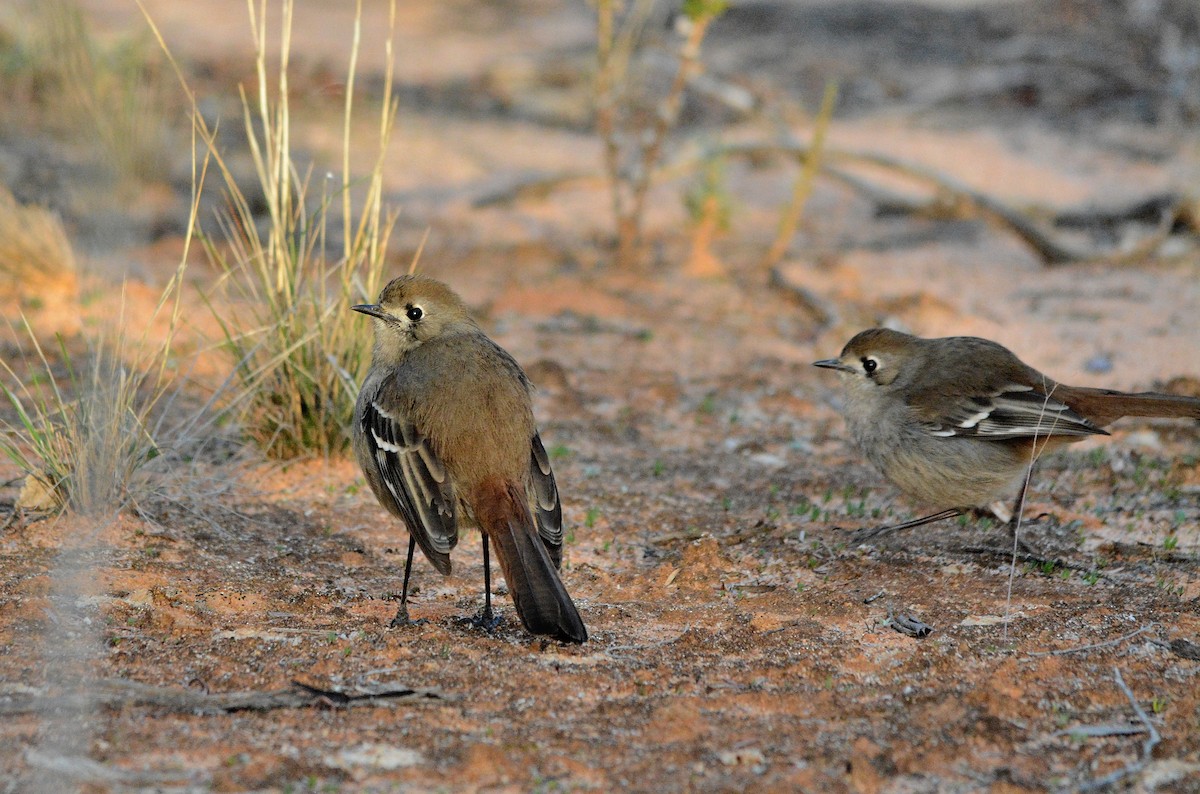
pixel 864 535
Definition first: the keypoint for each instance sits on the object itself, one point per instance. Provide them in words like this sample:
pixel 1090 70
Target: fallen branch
pixel 533 186
pixel 820 311
pixel 952 193
pixel 121 693
pixel 951 198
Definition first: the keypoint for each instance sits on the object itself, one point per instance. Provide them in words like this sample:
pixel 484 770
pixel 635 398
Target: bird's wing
pixel 545 494
pixel 415 479
pixel 1010 411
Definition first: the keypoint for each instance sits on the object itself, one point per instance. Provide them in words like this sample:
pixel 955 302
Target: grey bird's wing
pixel 545 497
pixel 411 482
pixel 1009 411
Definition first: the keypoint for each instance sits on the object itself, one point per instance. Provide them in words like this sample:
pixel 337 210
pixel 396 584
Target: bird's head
pixel 413 310
pixel 874 358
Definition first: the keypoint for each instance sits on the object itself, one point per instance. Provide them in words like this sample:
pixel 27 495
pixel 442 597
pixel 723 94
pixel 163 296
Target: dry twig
pixel 121 693
pixel 1093 646
pixel 1152 740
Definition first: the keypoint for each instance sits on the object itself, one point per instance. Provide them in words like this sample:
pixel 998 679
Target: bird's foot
pixel 1016 526
pixel 487 621
pixel 402 619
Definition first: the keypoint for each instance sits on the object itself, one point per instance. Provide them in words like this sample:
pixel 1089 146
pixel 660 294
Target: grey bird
pixel 955 422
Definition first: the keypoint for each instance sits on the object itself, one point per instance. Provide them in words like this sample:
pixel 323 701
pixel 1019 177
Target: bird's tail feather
pixel 1104 406
pixel 537 591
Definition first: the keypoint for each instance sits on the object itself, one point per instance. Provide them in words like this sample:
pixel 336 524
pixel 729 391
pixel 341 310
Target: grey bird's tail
pixel 537 592
pixel 1104 406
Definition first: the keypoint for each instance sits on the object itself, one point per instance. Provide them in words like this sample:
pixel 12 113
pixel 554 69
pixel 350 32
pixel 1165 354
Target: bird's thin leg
pixel 487 620
pixel 1014 523
pixel 863 535
pixel 402 618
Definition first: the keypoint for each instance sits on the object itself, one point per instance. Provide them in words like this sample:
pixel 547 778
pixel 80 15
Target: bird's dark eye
pixel 414 313
pixel 869 364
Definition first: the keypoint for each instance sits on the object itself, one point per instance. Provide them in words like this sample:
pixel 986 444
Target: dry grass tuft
pixel 35 254
pixel 298 353
pixel 86 424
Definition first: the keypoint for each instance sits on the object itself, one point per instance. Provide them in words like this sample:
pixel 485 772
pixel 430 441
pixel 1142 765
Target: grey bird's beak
pixel 832 363
pixel 372 309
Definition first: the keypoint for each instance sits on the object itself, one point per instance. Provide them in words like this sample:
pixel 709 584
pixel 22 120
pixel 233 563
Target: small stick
pixel 1093 646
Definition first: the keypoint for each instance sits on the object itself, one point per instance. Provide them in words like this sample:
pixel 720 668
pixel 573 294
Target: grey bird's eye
pixel 869 364
pixel 414 313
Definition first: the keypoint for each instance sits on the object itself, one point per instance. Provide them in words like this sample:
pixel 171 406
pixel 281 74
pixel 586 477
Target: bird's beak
pixel 833 363
pixel 373 309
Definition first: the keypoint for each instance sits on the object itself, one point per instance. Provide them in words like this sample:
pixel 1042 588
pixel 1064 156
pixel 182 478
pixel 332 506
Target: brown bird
pixel 444 432
pixel 955 422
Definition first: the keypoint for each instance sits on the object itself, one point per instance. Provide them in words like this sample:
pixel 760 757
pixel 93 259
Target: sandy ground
pixel 738 640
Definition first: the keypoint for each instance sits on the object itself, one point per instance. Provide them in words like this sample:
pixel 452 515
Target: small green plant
pixel 659 468
pixel 1091 577
pixel 589 517
pixel 1158 705
pixel 708 197
pixel 1170 542
pixel 709 209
